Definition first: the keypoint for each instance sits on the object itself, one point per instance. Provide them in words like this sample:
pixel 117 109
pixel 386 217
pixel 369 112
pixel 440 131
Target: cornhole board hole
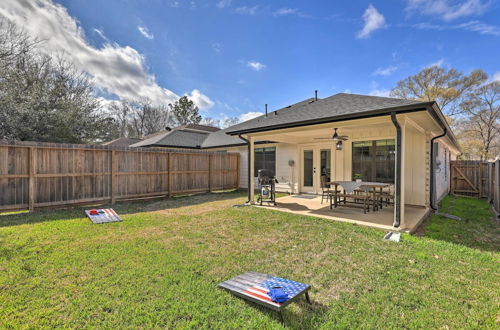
pixel 254 287
pixel 102 215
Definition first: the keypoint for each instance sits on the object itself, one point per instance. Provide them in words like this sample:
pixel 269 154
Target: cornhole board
pixel 103 216
pixel 254 287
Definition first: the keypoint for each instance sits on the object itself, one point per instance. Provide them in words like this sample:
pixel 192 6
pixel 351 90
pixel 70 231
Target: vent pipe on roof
pixel 315 95
pixel 266 109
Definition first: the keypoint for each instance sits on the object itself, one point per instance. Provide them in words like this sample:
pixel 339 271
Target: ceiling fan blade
pixel 322 138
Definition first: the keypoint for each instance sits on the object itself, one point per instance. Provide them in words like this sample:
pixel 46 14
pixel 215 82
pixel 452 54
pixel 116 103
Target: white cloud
pixel 119 70
pixel 257 66
pixel 439 63
pixel 224 3
pixel 479 27
pixel 101 34
pixel 145 32
pixel 217 47
pixel 249 115
pixel 385 71
pixel 285 11
pixel 496 76
pixel 473 26
pixel 447 10
pixel 380 92
pixel 373 21
pixel 245 10
pixel 201 100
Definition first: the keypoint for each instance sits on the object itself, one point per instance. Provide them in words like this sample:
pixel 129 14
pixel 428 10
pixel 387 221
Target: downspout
pixel 249 162
pixel 397 206
pixel 432 178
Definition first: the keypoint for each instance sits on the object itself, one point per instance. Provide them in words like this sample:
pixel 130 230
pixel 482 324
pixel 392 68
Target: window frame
pixel 265 160
pixel 372 160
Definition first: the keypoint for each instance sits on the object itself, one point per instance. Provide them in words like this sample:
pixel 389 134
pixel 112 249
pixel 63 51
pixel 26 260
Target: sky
pixel 233 56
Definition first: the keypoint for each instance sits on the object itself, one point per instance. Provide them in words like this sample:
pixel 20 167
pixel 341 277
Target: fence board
pixel 42 174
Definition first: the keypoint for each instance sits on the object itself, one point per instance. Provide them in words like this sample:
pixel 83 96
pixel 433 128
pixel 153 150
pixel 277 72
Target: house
pixel 405 142
pixel 189 136
pixel 121 142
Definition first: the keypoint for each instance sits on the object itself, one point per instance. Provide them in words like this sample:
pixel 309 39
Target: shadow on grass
pixel 478 228
pixel 122 208
pixel 305 318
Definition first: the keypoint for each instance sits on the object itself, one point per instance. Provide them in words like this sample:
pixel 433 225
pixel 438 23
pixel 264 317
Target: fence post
pixel 31 185
pixel 496 195
pixel 209 173
pixel 113 177
pixel 237 171
pixel 169 177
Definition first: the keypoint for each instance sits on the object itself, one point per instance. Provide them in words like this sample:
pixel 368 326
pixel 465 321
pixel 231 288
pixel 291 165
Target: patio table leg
pixel 307 298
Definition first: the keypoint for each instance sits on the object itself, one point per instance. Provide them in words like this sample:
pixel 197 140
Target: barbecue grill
pixel 267 187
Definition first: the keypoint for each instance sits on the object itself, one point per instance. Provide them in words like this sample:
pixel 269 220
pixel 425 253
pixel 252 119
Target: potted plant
pixel 358 177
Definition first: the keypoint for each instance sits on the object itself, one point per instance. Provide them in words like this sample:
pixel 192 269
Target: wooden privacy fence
pixel 476 179
pixel 47 174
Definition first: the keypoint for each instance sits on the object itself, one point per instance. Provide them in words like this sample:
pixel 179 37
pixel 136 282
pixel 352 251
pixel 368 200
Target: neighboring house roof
pixel 337 106
pixel 175 138
pixel 121 142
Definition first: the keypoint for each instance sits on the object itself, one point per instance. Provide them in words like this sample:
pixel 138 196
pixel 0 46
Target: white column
pixel 252 169
pixel 404 145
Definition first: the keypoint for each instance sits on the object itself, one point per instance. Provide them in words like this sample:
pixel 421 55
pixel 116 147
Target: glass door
pixel 316 162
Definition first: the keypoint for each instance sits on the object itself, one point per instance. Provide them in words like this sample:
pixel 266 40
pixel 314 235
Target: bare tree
pixel 210 122
pixel 148 118
pixel 483 124
pixel 445 86
pixel 230 121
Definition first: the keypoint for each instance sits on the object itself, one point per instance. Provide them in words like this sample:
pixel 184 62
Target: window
pixel 374 160
pixel 265 159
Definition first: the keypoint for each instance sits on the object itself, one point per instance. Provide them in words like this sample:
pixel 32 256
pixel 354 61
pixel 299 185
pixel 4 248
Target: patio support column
pixel 251 180
pixel 399 198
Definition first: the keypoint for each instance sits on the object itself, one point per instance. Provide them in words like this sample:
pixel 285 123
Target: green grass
pixel 160 267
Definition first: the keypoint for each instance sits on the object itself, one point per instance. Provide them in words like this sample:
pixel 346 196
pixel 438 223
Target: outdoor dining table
pixel 367 186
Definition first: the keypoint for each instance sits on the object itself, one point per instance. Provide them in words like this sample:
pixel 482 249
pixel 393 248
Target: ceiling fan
pixel 335 137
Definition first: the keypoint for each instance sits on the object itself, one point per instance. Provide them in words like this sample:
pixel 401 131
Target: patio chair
pixel 326 190
pixel 387 196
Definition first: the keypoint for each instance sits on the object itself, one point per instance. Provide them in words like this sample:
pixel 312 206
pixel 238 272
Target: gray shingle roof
pixel 338 105
pixel 220 138
pixel 121 142
pixel 175 138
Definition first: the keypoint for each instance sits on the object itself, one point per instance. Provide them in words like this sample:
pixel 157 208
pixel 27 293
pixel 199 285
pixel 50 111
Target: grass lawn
pixel 160 267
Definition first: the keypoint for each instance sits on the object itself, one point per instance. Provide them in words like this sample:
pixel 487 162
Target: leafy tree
pixel 445 86
pixel 185 111
pixel 43 98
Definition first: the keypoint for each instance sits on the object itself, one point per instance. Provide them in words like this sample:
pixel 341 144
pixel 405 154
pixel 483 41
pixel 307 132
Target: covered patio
pixel 311 205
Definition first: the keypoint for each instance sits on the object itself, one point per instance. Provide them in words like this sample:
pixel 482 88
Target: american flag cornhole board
pixel 254 287
pixel 103 216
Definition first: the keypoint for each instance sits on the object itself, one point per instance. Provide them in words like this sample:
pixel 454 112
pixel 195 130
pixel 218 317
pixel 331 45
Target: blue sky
pixel 234 56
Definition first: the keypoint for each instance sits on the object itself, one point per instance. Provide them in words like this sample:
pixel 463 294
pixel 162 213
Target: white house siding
pixel 414 172
pixel 286 175
pixel 443 155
